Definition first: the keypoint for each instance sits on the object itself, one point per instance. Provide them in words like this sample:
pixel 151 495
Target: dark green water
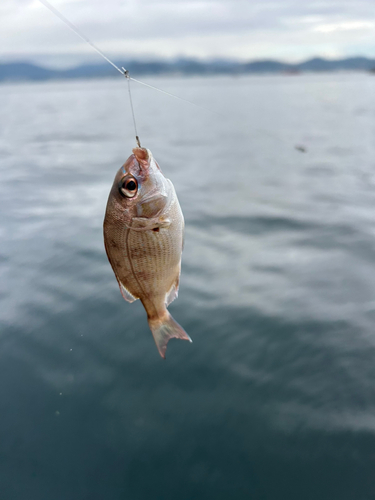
pixel 275 398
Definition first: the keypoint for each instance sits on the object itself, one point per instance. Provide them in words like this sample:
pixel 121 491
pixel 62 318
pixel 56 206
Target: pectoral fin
pixel 144 224
pixel 164 223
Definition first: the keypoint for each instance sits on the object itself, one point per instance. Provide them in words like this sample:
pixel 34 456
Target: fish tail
pixel 166 328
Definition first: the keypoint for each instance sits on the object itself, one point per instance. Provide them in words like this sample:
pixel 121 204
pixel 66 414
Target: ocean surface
pixel 275 398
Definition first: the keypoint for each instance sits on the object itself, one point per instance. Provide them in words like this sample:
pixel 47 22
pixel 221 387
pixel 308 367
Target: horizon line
pixel 30 59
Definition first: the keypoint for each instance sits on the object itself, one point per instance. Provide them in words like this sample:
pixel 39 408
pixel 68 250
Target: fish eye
pixel 128 186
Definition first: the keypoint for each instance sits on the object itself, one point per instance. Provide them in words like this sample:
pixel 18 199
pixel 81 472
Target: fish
pixel 143 238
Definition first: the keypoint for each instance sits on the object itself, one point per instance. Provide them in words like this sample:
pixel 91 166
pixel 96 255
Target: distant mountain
pixel 267 66
pixel 26 71
pixel 351 63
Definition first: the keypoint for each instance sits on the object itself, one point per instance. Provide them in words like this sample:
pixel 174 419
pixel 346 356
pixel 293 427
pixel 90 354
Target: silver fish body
pixel 143 237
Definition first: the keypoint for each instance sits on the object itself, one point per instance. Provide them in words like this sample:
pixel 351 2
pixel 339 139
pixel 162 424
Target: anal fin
pixel 173 293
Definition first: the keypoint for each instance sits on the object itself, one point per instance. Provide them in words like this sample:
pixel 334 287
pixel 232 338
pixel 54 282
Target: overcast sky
pixel 290 30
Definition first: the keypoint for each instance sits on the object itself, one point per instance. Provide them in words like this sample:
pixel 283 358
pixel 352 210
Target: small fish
pixel 143 237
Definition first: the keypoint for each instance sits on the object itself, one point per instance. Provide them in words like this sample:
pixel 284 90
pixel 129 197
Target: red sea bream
pixel 143 237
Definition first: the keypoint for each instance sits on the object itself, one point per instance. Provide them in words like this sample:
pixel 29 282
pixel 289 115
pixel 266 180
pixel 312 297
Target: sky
pixel 288 30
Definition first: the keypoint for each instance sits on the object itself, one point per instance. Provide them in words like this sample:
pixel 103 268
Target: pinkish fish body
pixel 143 237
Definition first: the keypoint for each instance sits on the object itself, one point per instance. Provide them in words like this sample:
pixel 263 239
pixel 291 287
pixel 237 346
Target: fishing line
pixel 126 74
pixel 123 71
pixel 175 96
pixel 77 32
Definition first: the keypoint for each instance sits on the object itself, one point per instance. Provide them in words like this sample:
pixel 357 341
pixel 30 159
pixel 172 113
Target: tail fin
pixel 164 329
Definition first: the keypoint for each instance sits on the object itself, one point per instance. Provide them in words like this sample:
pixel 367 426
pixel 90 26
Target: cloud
pixel 246 29
pixel 347 26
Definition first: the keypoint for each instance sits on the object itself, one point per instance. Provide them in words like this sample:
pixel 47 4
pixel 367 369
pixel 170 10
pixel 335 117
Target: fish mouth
pixel 141 154
pixel 143 158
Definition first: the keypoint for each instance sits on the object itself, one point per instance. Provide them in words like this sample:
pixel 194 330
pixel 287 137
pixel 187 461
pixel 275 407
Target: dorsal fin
pixel 126 294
